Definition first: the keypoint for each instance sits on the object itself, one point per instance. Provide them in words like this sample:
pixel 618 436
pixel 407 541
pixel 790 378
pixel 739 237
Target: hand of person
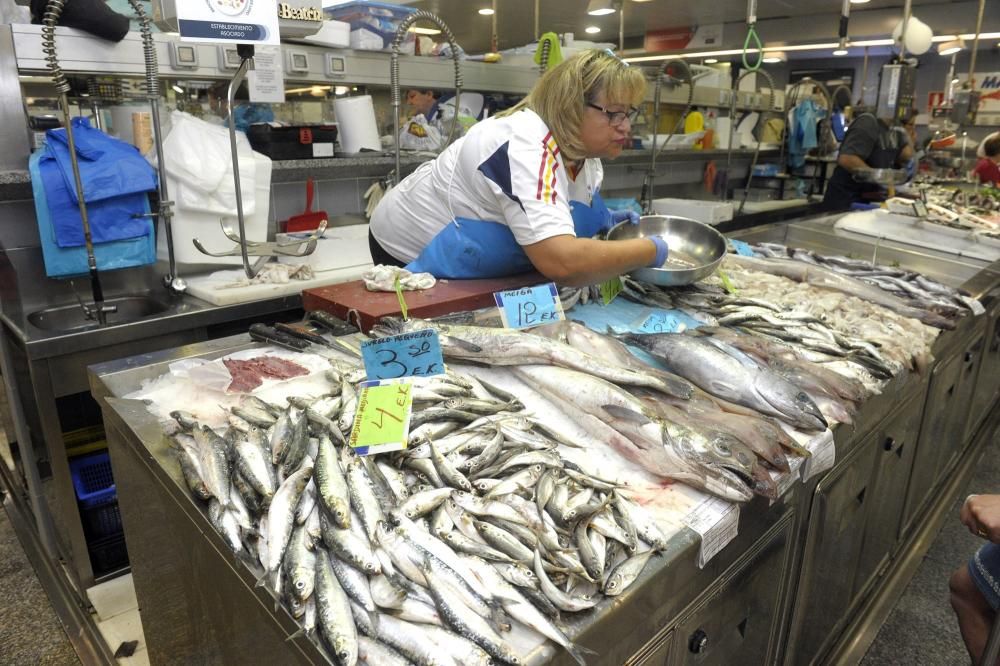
pixel 981 514
pixel 618 216
pixel 661 251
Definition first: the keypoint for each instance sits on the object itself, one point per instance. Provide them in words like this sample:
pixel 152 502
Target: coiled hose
pixel 53 10
pixel 544 58
pixel 732 129
pixel 397 42
pixel 171 280
pixel 646 196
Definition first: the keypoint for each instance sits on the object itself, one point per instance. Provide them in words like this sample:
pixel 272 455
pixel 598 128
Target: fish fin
pixel 626 414
pixel 464 345
pixel 579 653
pixel 301 632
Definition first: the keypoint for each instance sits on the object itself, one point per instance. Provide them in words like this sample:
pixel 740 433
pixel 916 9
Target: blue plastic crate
pixel 92 478
pixel 101 520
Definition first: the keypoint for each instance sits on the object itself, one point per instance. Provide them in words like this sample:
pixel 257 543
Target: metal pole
pixel 975 47
pixel 949 84
pixel 246 64
pixel 538 13
pixel 621 28
pixel 907 12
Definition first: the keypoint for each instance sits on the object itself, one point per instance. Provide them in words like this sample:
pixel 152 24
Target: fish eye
pixel 301 585
pixel 802 397
pixel 723 448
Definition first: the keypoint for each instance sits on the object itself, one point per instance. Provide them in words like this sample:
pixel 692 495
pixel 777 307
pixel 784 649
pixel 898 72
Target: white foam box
pixel 708 212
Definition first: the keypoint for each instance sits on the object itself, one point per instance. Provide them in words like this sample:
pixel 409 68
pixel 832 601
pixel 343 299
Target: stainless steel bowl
pixel 884 177
pixel 695 249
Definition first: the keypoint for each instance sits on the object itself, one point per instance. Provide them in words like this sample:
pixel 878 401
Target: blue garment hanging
pixel 803 137
pixel 116 180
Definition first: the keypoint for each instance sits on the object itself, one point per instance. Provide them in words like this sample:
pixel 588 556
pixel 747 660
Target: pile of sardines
pixel 425 556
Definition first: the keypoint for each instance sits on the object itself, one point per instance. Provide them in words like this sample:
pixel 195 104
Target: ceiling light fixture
pixel 425 31
pixel 860 2
pixel 840 52
pixel 486 11
pixel 591 30
pixel 178 89
pixel 952 47
pixel 600 7
pixel 711 61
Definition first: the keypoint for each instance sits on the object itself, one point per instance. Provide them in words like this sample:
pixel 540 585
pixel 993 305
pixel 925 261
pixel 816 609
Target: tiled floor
pixel 922 628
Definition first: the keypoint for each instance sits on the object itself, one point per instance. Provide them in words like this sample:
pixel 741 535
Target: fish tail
pixel 301 632
pixel 579 653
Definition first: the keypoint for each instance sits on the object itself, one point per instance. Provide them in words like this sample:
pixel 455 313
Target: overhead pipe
pixel 971 83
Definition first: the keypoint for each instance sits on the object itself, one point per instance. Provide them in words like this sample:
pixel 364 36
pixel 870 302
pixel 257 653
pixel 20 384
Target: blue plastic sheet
pixel 116 180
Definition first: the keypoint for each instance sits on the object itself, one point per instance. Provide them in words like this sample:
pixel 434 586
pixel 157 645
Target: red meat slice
pixel 250 373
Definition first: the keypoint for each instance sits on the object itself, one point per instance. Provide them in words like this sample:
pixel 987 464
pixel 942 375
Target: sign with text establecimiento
pixel 228 21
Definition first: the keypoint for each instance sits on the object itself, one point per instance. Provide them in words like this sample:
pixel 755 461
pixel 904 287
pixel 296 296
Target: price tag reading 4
pixel 530 306
pixel 382 422
pixel 741 247
pixel 416 354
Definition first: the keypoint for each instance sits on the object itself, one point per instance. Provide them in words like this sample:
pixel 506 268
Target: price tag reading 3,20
pixel 416 354
pixel 530 306
pixel 382 422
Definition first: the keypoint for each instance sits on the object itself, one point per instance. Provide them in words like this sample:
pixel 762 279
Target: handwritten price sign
pixel 416 354
pixel 382 422
pixel 668 321
pixel 530 306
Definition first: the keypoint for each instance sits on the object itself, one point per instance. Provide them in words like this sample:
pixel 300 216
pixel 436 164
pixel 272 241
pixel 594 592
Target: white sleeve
pixel 527 177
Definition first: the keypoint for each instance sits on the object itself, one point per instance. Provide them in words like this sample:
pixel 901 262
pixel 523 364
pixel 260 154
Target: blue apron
pixel 468 249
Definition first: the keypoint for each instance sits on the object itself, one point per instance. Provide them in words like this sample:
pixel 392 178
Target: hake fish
pixel 723 375
pixel 497 346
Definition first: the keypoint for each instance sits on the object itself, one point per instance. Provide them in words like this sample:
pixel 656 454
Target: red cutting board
pixel 352 302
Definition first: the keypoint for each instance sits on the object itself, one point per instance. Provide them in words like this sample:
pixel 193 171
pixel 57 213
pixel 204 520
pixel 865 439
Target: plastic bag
pixel 199 158
pixel 420 134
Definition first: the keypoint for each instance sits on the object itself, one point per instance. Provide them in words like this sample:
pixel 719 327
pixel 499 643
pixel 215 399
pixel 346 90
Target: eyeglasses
pixel 616 118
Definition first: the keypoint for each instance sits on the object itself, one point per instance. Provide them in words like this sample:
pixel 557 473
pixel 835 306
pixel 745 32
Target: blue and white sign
pixel 530 306
pixel 228 21
pixel 667 321
pixel 416 354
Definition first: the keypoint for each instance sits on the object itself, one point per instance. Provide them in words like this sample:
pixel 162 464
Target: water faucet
pixel 646 194
pixel 397 42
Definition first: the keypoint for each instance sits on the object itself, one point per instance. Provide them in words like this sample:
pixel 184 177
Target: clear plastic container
pixel 377 18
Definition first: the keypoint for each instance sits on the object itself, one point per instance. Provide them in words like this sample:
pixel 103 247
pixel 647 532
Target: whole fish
pixel 300 565
pixel 252 463
pixel 819 276
pixel 668 450
pixel 333 613
pixel 376 653
pixel 498 346
pixel 625 573
pixel 584 338
pixel 281 518
pixel 331 484
pixel 729 378
pixel 461 619
pixel 213 455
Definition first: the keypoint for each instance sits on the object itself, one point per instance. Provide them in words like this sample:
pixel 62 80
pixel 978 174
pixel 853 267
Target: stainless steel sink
pixel 66 318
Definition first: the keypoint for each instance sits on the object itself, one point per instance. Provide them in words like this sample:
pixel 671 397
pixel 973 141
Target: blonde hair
pixel 561 96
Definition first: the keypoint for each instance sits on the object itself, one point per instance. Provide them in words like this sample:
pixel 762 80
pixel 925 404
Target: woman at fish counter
pixel 521 190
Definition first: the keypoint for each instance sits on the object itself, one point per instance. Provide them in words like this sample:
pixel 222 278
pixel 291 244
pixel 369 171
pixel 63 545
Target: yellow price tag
pixel 611 289
pixel 727 284
pixel 382 421
pixel 399 295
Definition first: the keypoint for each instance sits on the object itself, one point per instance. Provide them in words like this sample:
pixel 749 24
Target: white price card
pixel 824 454
pixel 228 21
pixel 267 79
pixel 785 480
pixel 973 303
pixel 717 521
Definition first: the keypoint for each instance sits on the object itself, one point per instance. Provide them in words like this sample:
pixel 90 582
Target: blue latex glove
pixel 623 215
pixel 661 251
